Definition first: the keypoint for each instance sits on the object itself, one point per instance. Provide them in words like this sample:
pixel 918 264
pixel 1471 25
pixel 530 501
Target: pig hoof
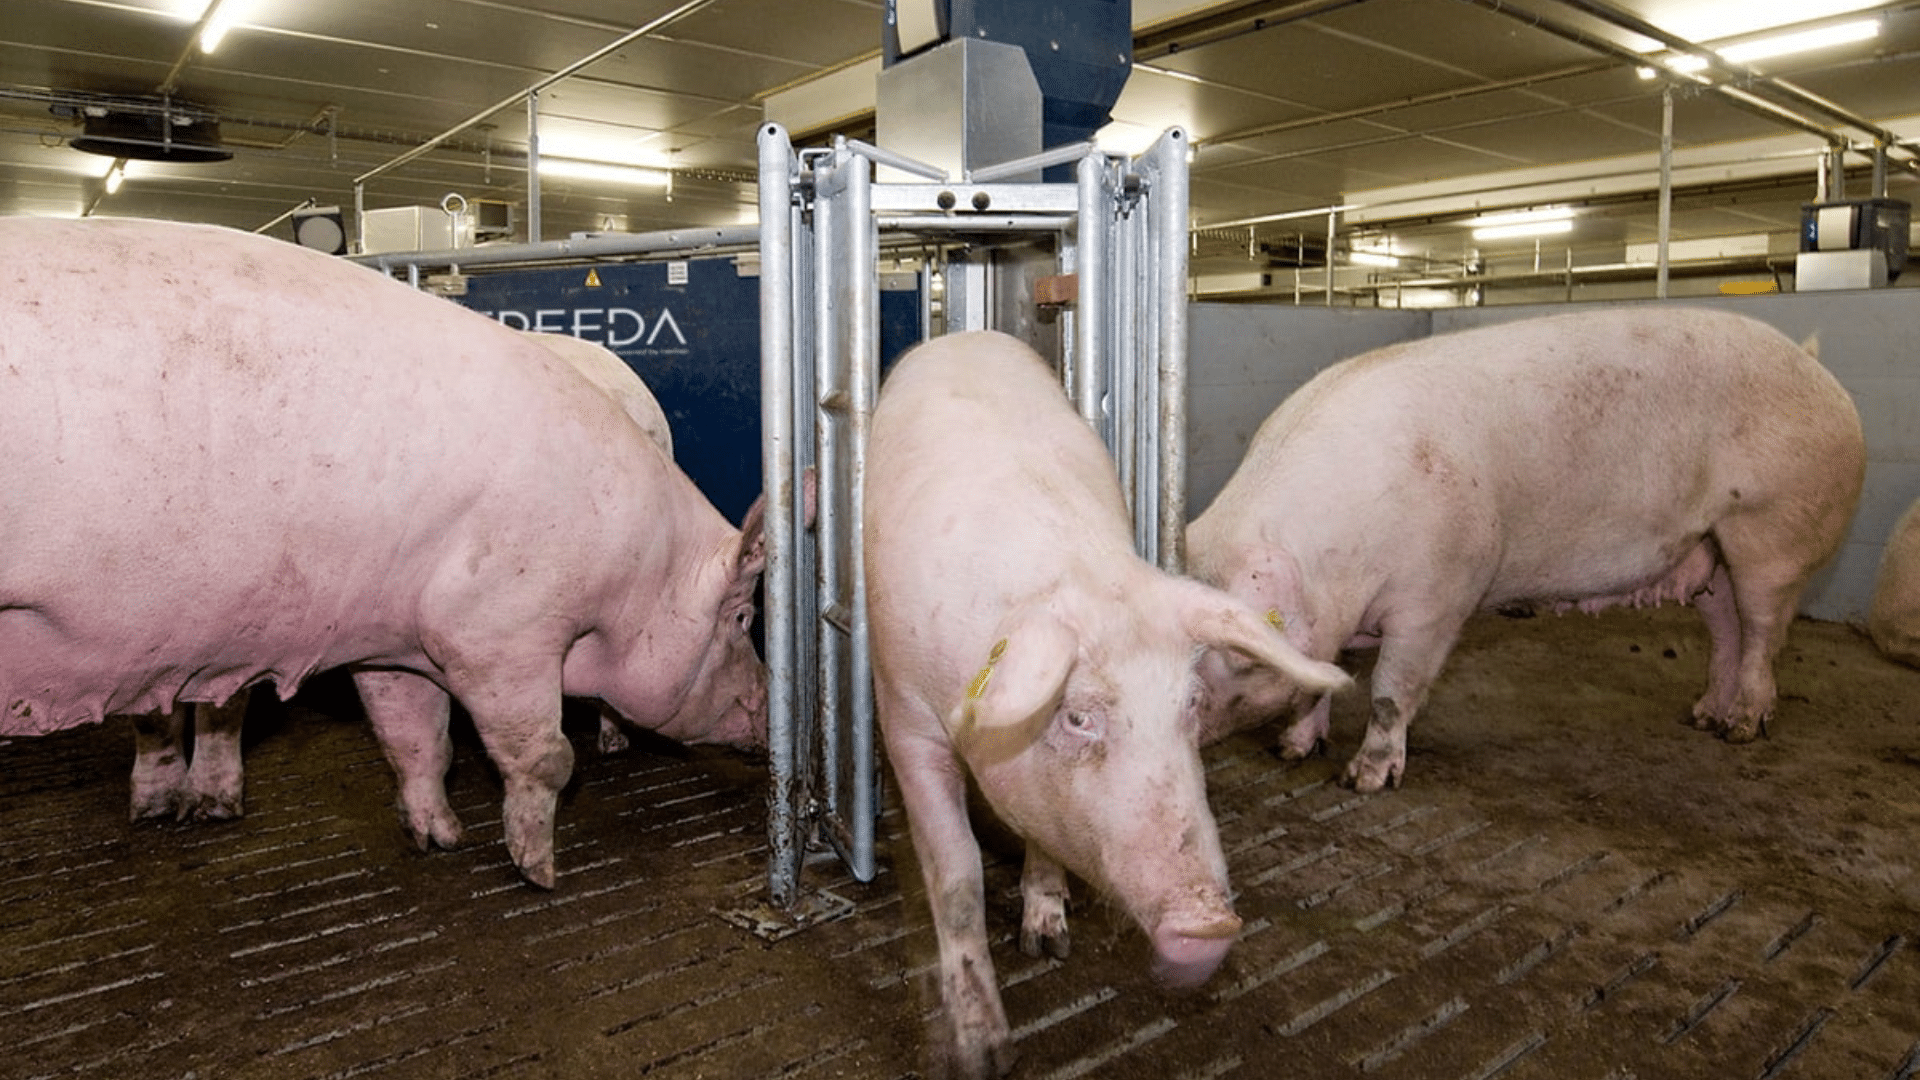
pixel 1746 731
pixel 1290 752
pixel 1036 943
pixel 211 809
pixel 612 739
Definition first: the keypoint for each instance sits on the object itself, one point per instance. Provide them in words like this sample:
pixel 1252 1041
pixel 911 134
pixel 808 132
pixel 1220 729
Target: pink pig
pixel 207 785
pixel 206 493
pixel 1019 639
pixel 1583 460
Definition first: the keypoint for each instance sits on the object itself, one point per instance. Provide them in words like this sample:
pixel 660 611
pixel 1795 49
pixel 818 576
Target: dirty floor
pixel 1570 885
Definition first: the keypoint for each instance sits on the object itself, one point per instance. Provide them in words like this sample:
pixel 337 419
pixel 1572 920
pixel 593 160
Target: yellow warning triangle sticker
pixel 593 278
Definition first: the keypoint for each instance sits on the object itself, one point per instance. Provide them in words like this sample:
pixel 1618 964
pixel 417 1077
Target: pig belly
pixel 1677 585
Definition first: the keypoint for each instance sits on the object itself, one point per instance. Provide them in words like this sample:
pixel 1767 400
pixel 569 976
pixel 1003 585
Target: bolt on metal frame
pixel 1120 229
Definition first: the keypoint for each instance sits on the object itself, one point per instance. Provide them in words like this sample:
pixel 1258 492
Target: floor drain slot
pixel 1708 914
pixel 1511 1056
pixel 1599 995
pixel 1877 961
pixel 1807 1031
pixel 1699 1011
pixel 1790 937
pixel 1412 1034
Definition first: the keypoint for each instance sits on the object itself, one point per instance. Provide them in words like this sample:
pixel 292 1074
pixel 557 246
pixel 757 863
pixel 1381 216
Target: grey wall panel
pixel 1248 358
pixel 1243 360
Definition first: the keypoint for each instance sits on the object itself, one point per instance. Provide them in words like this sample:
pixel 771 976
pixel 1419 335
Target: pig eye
pixel 1079 721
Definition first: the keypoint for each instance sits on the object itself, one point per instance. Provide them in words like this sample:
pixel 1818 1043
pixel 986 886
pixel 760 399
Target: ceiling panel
pixel 1299 115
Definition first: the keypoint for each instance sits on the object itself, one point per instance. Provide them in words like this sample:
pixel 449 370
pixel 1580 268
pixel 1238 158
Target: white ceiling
pixel 1415 110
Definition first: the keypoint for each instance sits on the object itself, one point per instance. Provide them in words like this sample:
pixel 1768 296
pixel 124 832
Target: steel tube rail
pixel 822 412
pixel 1797 95
pixel 863 367
pixel 1170 212
pixel 776 418
pixel 1046 159
pixel 533 166
pixel 590 246
pixel 1090 316
pixel 897 161
pixel 1665 227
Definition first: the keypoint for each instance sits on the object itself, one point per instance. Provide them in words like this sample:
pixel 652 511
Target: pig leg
pixel 410 717
pixel 1722 616
pixel 517 714
pixel 1766 602
pixel 216 777
pixel 1410 659
pixel 934 790
pixel 1043 904
pixel 1307 735
pixel 160 764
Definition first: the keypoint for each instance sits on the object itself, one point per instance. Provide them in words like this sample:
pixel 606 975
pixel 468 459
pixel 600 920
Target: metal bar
pixel 1739 73
pixel 1046 159
pixel 1170 217
pixel 1090 342
pixel 533 166
pixel 970 223
pixel 586 246
pixel 285 214
pixel 505 103
pixel 897 161
pixel 1666 192
pixel 827 428
pixel 958 200
pixel 1333 224
pixel 863 357
pixel 776 418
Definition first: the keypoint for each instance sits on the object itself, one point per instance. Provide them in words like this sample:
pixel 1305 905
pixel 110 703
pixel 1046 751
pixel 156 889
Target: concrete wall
pixel 1243 360
pixel 1246 359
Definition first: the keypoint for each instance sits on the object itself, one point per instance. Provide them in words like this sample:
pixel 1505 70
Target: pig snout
pixel 744 723
pixel 1188 949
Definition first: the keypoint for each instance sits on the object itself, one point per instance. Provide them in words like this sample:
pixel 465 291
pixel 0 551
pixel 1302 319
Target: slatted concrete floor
pixel 1570 886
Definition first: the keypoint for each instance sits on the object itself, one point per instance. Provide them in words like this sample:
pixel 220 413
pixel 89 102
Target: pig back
pixel 232 458
pixel 972 433
pixel 1606 439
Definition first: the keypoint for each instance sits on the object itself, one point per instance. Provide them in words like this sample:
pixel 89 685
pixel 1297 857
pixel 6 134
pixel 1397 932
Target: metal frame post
pixel 777 461
pixel 1121 228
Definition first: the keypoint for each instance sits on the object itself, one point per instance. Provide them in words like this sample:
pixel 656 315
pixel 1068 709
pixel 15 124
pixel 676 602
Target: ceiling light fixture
pixel 575 169
pixel 1524 228
pixel 215 21
pixel 1767 48
pixel 116 175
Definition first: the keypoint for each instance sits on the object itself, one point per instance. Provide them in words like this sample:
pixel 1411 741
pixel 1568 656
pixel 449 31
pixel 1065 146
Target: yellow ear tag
pixel 1274 620
pixel 979 684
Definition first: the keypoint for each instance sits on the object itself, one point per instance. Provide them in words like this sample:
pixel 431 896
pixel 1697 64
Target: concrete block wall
pixel 1244 360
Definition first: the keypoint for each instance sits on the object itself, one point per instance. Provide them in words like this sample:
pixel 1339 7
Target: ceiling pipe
pixel 1740 98
pixel 1795 95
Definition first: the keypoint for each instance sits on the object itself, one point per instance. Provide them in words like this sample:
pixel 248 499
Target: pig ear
pixel 1023 680
pixel 1219 621
pixel 752 557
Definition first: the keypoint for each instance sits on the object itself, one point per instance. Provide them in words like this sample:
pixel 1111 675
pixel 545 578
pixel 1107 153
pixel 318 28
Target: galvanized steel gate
pixel 1117 241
